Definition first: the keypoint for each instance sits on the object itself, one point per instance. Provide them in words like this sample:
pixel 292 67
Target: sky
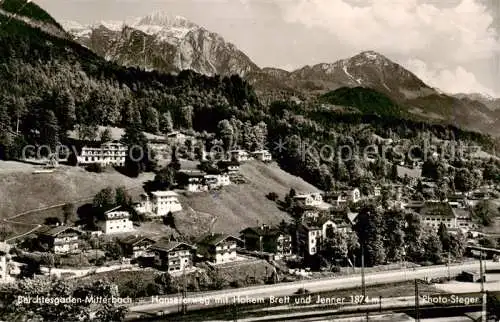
pixel 452 45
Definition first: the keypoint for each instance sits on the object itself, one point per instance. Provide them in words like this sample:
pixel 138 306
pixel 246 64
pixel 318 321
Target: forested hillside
pixel 26 8
pixel 51 84
pixel 367 101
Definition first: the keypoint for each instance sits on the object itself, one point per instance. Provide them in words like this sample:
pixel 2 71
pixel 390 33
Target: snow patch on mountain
pixel 344 68
pixel 75 28
pixel 172 34
pixel 71 25
pixel 111 25
pixel 370 55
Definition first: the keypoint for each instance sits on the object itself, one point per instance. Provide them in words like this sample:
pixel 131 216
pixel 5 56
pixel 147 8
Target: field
pixel 188 223
pixel 27 198
pixel 30 198
pixel 238 206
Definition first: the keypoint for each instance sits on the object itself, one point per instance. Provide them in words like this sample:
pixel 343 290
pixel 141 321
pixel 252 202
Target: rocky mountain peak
pixel 163 19
pixel 370 58
pixel 164 42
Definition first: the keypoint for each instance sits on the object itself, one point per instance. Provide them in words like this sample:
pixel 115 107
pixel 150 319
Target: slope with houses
pixel 317 216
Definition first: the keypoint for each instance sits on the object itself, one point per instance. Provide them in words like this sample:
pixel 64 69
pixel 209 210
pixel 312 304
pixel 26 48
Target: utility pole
pixel 449 273
pixel 417 304
pixel 235 312
pixel 481 276
pixel 184 305
pixel 363 283
pixel 363 286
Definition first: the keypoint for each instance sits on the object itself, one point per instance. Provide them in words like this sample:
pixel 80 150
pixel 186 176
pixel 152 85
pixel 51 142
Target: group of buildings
pixel 317 218
pixel 212 248
pixel 113 153
pixel 317 221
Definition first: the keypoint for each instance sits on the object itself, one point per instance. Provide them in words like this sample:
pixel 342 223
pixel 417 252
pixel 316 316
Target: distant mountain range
pixel 171 44
pixel 164 43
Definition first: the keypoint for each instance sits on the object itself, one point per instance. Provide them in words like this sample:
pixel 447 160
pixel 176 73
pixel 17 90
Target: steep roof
pixel 124 213
pixel 318 223
pixel 54 231
pixel 169 246
pixel 352 216
pixel 214 239
pixel 132 240
pixel 164 193
pixel 266 231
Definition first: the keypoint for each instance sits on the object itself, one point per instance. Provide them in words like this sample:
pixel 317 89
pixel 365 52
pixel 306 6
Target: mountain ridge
pixel 165 43
pixel 172 44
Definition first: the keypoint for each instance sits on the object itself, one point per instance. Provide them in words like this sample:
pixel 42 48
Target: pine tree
pixel 260 136
pixel 151 120
pixel 66 111
pixel 444 237
pixel 394 236
pixel 49 131
pixel 166 122
pixel 226 133
pixel 106 135
pixel 370 232
pixel 433 248
pixel 394 172
pixel 187 116
pixel 414 237
pixel 137 159
pixel 122 197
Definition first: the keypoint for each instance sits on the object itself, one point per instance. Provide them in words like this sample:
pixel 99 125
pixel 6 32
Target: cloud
pixel 449 37
pixel 457 80
pixel 408 27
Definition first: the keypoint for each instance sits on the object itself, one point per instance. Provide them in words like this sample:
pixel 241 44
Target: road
pixel 215 298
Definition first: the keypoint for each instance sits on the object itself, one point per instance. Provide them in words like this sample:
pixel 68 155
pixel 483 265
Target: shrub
pixel 94 167
pixel 236 284
pixel 273 196
pixel 99 261
pixel 302 291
